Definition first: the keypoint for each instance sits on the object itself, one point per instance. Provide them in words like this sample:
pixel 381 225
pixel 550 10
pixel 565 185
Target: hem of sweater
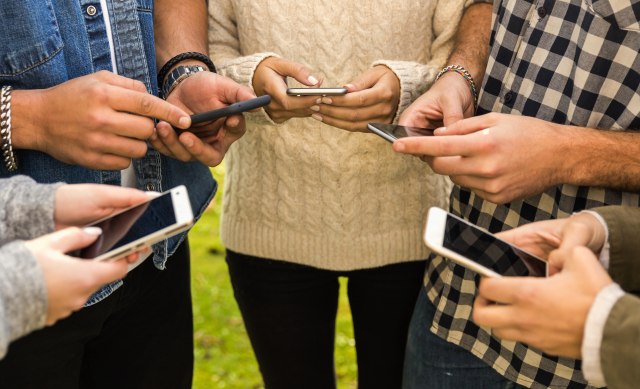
pixel 325 252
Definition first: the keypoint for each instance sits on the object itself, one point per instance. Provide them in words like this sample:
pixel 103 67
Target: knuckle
pixel 363 100
pixel 139 85
pixel 145 104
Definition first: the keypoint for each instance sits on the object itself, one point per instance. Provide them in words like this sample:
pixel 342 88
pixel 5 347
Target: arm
pixel 450 98
pixel 27 208
pixel 181 27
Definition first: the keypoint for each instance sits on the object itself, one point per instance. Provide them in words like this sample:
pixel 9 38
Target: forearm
pixel 180 26
pixel 472 41
pixel 608 159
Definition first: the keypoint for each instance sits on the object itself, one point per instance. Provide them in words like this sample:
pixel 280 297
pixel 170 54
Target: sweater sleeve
pixel 620 350
pixel 415 78
pixel 27 208
pixel 624 228
pixel 224 49
pixel 23 296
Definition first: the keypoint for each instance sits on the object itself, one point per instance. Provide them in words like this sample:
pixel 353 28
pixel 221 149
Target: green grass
pixel 224 358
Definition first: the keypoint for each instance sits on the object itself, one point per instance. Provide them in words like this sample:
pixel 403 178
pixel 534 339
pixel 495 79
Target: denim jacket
pixel 46 42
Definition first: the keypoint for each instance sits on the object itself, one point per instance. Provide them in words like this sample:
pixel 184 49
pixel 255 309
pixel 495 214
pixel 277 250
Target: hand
pixel 80 204
pixel 446 102
pixel 500 157
pixel 546 313
pixel 270 78
pixel 372 97
pixel 69 281
pixel 99 121
pixel 542 238
pixel 208 142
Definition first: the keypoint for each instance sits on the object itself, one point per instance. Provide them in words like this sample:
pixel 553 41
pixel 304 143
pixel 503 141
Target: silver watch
pixel 177 75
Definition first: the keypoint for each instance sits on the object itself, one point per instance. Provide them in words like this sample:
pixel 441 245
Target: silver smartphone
pixel 129 230
pixel 316 91
pixel 393 132
pixel 477 249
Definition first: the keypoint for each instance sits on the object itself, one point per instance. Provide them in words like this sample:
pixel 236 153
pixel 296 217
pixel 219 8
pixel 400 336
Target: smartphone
pixel 477 249
pixel 392 132
pixel 316 91
pixel 128 230
pixel 233 109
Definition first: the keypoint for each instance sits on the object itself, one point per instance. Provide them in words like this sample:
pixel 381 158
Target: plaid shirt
pixel 569 62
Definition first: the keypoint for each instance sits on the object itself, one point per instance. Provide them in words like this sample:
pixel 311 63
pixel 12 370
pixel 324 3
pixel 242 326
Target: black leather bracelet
pixel 162 74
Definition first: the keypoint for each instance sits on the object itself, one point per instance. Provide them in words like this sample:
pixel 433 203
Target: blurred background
pixel 224 358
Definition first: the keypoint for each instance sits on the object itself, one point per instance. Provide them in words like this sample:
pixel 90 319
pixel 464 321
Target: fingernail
pixel 312 80
pixel 314 108
pixel 93 231
pixel 327 100
pixel 349 86
pixel 319 100
pixel 399 146
pixel 188 142
pixel 163 132
pixel 184 122
pixel 317 117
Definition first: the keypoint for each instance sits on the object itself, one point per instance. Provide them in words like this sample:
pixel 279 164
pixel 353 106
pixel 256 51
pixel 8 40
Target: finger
pixel 500 290
pixel 115 197
pixel 207 154
pixel 102 273
pixel 510 333
pixel 362 114
pixel 228 91
pixel 576 233
pixel 170 140
pixel 469 125
pixel 120 146
pixel 296 70
pixel 367 79
pixel 437 146
pixel 360 126
pixel 492 315
pixel 148 105
pixel 71 238
pixel 120 81
pixel 359 99
pixel 131 126
pixel 452 111
pixel 160 147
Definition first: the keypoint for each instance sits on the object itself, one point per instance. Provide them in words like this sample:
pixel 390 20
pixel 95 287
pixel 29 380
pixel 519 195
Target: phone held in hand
pixel 393 132
pixel 127 231
pixel 477 249
pixel 233 109
pixel 316 91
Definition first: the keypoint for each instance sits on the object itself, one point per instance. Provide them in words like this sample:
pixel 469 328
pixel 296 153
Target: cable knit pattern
pixel 309 193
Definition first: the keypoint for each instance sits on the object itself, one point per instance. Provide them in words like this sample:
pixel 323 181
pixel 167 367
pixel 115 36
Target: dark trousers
pixel 139 337
pixel 290 310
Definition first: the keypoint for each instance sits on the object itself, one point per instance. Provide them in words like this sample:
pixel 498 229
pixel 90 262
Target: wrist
pixel 188 60
pixel 466 76
pixel 27 111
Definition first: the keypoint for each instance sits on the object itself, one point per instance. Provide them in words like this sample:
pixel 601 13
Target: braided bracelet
pixel 467 76
pixel 8 157
pixel 162 74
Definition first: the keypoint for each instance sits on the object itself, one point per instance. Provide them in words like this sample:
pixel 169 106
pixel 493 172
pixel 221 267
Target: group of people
pixel 534 105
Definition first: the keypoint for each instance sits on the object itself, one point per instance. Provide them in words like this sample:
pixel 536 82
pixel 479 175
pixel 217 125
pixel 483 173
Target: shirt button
pixel 150 187
pixel 91 10
pixel 542 12
pixel 508 97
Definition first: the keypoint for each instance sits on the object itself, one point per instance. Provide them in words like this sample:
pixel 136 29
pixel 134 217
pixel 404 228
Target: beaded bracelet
pixel 467 76
pixel 8 157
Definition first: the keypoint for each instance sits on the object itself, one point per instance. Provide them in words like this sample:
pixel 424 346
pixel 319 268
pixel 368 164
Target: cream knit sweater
pixel 312 194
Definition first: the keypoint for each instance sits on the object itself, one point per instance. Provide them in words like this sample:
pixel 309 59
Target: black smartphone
pixel 233 109
pixel 392 132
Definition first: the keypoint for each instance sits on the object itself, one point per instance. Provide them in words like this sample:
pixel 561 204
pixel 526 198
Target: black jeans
pixel 289 311
pixel 139 337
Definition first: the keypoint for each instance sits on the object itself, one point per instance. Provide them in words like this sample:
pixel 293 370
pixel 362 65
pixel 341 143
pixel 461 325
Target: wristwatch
pixel 177 75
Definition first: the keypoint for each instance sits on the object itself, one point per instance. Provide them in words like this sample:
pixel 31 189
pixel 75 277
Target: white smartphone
pixel 393 132
pixel 316 91
pixel 477 249
pixel 128 230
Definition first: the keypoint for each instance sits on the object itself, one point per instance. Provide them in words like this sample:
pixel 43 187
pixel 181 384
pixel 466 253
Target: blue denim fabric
pixel 432 362
pixel 46 42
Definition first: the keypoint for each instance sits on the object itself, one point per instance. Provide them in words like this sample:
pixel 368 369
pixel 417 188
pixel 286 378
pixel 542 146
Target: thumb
pixel 452 111
pixel 366 80
pixel 70 239
pixel 575 234
pixel 296 70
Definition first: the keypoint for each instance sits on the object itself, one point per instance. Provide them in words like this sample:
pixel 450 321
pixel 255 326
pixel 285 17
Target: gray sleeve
pixel 27 208
pixel 23 294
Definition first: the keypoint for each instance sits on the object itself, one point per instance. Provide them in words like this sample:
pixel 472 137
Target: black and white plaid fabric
pixel 570 62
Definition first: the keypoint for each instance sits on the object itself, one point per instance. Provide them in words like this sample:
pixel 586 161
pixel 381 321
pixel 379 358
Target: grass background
pixel 224 358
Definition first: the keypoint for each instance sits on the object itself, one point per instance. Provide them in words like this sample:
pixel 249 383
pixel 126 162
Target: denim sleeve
pixel 27 208
pixel 23 296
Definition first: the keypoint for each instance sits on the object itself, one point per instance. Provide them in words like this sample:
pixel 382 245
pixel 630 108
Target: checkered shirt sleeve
pixel 569 62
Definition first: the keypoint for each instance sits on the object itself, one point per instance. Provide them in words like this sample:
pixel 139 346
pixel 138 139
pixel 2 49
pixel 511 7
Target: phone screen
pixel 489 251
pixel 130 225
